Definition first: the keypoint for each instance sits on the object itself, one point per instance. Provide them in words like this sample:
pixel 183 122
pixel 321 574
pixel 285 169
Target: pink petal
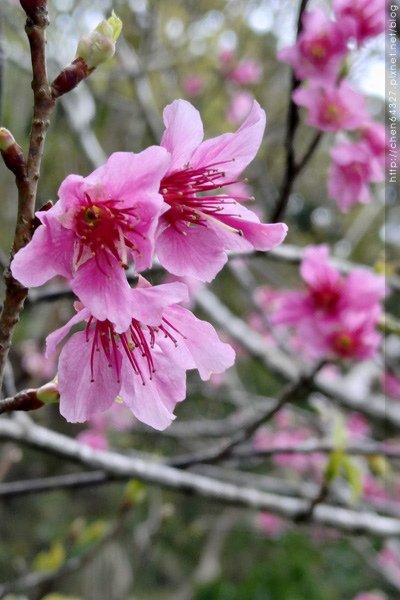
pixel 126 174
pixel 210 355
pixel 103 288
pixel 233 151
pixel 149 303
pixel 80 398
pixel 183 133
pixel 70 196
pixel 258 235
pixel 198 254
pixel 153 402
pixel 59 334
pixel 316 270
pixel 48 254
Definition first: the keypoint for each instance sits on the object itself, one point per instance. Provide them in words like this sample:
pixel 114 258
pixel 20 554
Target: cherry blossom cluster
pixel 336 316
pixel 319 58
pixel 137 343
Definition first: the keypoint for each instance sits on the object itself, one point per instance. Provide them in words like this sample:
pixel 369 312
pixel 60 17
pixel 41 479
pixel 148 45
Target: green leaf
pixel 333 466
pixel 135 492
pixel 353 476
pixel 50 560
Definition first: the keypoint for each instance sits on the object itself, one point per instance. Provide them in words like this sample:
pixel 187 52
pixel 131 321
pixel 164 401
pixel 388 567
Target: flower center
pixel 137 344
pixel 332 113
pixel 343 344
pixel 106 228
pixel 318 52
pixel 325 299
pixel 193 199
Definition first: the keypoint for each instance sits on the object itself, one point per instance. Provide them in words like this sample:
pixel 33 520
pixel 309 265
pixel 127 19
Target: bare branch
pixel 152 472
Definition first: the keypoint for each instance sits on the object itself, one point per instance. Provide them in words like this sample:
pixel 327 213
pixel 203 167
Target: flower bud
pixel 48 393
pixel 6 139
pixel 31 6
pixel 98 46
pixel 12 153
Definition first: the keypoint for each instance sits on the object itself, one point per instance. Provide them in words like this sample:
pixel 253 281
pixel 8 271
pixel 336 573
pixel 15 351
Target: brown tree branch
pixel 27 177
pixel 292 167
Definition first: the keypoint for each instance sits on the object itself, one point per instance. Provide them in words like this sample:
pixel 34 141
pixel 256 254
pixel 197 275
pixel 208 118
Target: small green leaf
pixel 135 492
pixel 353 476
pixel 50 560
pixel 333 466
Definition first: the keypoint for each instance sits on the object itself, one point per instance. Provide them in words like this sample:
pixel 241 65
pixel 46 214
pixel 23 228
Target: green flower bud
pixel 48 393
pixel 98 46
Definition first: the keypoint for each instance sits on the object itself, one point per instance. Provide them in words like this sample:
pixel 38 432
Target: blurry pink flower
pixel 357 426
pixel 226 58
pixel 328 292
pixel 374 491
pixel 239 107
pixel 391 385
pixel 98 225
pixel 201 223
pixel 145 365
pixel 193 85
pixel 360 19
pixel 96 439
pixel 246 72
pixel 374 135
pixel 351 171
pixel 352 336
pixel 319 50
pixel 240 191
pixel 332 108
pixel 389 560
pixel 272 525
pixel 34 363
pixel 289 436
pixel 115 418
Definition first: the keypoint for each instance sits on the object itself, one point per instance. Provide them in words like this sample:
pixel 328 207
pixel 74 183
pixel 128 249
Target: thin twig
pixel 225 450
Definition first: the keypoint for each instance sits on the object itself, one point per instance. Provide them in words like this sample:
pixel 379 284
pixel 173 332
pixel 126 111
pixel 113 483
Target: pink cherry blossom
pixel 226 58
pixel 289 433
pixel 351 171
pixel 360 19
pixel 328 293
pixel 34 363
pixel 193 85
pixel 202 223
pixel 117 418
pixel 145 364
pixel 246 72
pixel 319 49
pixel 239 107
pixel 374 135
pixel 96 439
pixel 357 426
pixel 332 108
pixel 272 525
pixel 99 224
pixel 352 336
